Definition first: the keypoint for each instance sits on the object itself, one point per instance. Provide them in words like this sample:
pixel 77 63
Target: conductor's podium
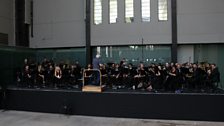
pixel 92 81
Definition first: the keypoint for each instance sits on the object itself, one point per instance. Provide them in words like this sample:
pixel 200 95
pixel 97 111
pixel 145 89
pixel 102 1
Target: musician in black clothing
pixel 203 76
pixel 27 77
pixel 130 78
pixel 140 78
pixel 74 75
pixel 49 75
pixel 215 76
pixel 151 77
pixel 166 69
pixel 194 80
pixel 111 67
pixel 104 75
pixel 40 80
pixel 180 77
pixel 45 63
pixel 172 79
pixel 115 77
pixel 25 63
pixel 57 76
pixel 124 75
pixel 33 73
pixel 78 70
pixel 158 80
pixel 89 75
pixel 65 77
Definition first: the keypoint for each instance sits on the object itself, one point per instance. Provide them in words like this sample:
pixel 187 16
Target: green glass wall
pixel 11 60
pixel 68 56
pixel 211 54
pixel 134 54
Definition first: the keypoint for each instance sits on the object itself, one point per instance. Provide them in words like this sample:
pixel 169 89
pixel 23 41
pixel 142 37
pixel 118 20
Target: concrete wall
pixel 58 23
pixel 200 21
pixel 7 20
pixel 121 33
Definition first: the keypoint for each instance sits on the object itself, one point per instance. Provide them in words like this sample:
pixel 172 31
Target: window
pixel 145 6
pixel 97 12
pixel 163 10
pixel 129 11
pixel 113 11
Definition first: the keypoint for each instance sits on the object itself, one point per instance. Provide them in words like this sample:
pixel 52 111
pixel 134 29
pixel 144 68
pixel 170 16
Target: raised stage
pixel 119 103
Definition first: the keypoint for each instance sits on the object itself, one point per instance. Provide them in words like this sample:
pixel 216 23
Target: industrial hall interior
pixel 127 62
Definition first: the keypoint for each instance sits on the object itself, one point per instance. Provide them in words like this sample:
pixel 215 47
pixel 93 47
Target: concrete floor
pixel 17 118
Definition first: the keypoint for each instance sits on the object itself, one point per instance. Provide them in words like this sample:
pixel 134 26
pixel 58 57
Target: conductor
pixel 96 65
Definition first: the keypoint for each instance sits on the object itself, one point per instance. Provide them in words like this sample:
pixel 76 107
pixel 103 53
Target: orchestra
pixel 173 77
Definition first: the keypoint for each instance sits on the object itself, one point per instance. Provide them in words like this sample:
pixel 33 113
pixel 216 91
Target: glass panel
pixel 163 10
pixel 145 10
pixel 129 11
pixel 97 12
pixel 134 54
pixel 113 11
pixel 211 54
pixel 13 59
pixel 11 62
pixel 68 56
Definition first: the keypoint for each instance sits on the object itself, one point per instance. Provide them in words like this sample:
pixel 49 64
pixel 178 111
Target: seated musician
pixel 103 71
pixel 198 77
pixel 193 79
pixel 88 75
pixel 180 76
pixel 140 77
pixel 171 79
pixel 18 77
pixel 130 78
pixel 40 76
pixel 155 78
pixel 33 72
pixel 123 76
pixel 27 78
pixel 215 76
pixel 26 62
pixel 65 77
pixel 111 74
pixel 57 76
pixel 45 63
pixel 72 74
pixel 115 78
pixel 49 75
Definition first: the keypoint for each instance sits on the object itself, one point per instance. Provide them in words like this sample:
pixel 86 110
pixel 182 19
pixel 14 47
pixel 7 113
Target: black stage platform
pixel 119 103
